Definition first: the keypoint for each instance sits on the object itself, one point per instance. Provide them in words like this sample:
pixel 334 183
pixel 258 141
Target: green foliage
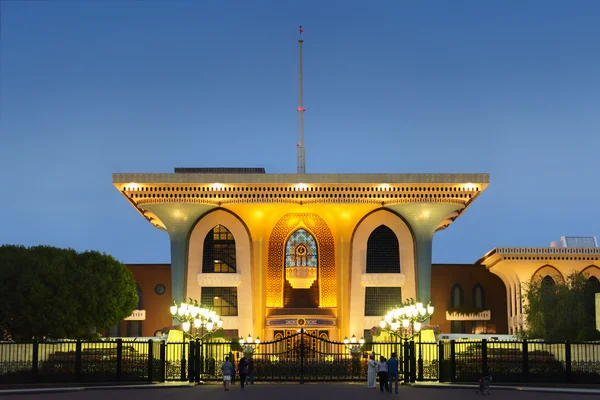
pixel 588 334
pixel 58 293
pixel 559 312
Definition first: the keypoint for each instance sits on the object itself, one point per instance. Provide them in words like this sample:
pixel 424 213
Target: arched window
pixel 593 284
pixel 456 296
pixel 219 251
pixel 134 328
pixel 301 250
pixel 457 300
pixel 478 297
pixel 548 282
pixel 139 294
pixel 383 251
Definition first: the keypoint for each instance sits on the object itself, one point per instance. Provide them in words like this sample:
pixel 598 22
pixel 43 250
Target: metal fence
pixel 298 358
pixel 520 361
pixel 79 361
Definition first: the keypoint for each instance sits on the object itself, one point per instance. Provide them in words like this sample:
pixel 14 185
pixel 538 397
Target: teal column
pixel 179 219
pixel 423 254
pixel 179 249
pixel 424 219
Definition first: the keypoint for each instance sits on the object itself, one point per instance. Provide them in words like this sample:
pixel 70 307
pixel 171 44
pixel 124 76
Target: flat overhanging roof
pixel 212 190
pixel 482 179
pixel 541 254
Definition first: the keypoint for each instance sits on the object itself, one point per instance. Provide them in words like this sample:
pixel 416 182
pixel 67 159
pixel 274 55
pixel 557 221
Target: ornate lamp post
pixel 405 323
pixel 248 345
pixel 353 345
pixel 197 323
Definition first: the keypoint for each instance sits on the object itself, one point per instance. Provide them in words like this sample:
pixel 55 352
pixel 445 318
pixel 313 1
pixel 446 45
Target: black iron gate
pixel 300 357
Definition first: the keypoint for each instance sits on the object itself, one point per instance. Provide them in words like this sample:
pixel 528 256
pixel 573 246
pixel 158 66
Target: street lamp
pixel 197 322
pixel 405 322
pixel 354 345
pixel 248 345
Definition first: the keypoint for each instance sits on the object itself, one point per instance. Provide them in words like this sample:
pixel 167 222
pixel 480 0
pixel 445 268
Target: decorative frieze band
pixel 388 280
pixel 484 315
pixel 302 322
pixel 304 178
pixel 219 279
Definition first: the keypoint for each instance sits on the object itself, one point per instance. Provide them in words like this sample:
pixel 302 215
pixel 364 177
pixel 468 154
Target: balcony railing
pixel 483 315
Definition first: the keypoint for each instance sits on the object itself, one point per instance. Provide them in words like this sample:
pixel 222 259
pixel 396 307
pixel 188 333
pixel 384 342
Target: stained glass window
pixel 301 250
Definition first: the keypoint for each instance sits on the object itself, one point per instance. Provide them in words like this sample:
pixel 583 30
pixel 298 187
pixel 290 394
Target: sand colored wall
pixel 242 279
pixel 358 321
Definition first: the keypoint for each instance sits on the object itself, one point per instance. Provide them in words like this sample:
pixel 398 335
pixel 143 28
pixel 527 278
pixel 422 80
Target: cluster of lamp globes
pixel 354 341
pixel 200 317
pixel 249 341
pixel 404 316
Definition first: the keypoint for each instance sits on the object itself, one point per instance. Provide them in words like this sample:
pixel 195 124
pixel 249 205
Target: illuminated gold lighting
pixel 301 187
pixel 469 186
pixel 217 186
pixel 384 187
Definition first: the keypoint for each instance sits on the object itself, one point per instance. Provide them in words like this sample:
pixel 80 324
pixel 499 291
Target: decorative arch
pixel 282 230
pixel 383 251
pixel 592 270
pixel 358 264
pixel 242 278
pixel 478 296
pixel 218 254
pixel 548 270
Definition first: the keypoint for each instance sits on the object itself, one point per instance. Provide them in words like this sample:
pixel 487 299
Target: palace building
pixel 275 252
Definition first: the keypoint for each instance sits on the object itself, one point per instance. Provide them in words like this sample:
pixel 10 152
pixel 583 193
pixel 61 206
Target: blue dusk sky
pixel 88 88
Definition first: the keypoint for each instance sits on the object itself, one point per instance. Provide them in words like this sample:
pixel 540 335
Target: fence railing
pixel 81 361
pixel 320 360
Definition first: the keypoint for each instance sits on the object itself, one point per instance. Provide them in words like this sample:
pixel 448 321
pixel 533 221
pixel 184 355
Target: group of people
pixel 245 371
pixel 387 370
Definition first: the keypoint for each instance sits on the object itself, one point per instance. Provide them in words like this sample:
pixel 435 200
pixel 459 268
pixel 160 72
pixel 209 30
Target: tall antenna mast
pixel 300 109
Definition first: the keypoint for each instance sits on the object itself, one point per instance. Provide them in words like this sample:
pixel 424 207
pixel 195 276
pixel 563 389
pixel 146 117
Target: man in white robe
pixel 372 373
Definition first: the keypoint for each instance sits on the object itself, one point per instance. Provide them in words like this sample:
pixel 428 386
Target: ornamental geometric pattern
pixel 277 260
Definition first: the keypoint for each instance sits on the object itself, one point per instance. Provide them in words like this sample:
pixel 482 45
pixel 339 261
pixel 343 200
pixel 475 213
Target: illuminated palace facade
pixel 272 253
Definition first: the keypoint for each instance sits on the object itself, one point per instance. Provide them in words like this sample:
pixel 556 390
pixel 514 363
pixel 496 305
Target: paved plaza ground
pixel 288 392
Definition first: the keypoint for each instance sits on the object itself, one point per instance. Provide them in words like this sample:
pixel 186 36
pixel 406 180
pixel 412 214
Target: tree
pixel 558 311
pixel 58 293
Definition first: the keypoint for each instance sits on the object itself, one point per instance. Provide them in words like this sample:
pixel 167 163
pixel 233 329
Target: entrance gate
pixel 301 357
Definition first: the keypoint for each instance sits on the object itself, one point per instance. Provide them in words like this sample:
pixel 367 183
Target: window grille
pixel 383 251
pixel 219 251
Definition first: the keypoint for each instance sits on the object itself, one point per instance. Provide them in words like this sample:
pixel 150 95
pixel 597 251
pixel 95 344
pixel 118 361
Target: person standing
pixel 251 370
pixel 243 371
pixel 228 371
pixel 393 371
pixel 372 373
pixel 382 371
